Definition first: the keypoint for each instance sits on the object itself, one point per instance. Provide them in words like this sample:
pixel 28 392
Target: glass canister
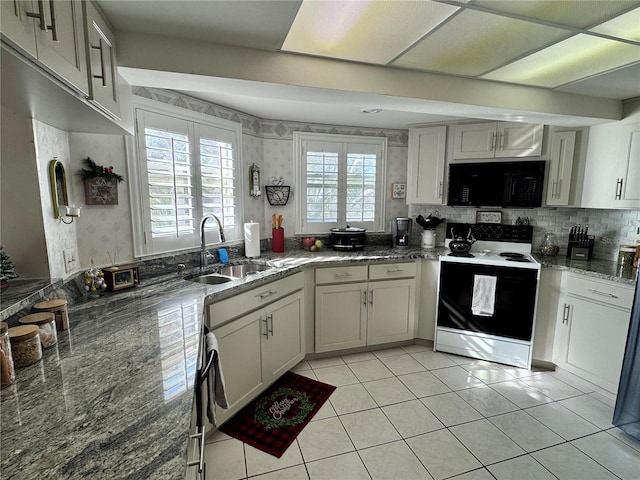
pixel 25 345
pixel 46 323
pixel 626 255
pixel 6 359
pixel 549 246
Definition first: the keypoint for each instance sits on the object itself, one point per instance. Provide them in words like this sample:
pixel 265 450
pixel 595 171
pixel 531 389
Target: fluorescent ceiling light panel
pixel 625 26
pixel 473 43
pixel 578 57
pixel 362 30
pixel 574 13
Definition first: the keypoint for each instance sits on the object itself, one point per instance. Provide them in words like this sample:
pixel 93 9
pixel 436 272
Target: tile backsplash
pixel 610 227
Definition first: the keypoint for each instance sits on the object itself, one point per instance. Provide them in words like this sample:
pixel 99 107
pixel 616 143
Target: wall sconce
pixel 59 195
pixel 69 212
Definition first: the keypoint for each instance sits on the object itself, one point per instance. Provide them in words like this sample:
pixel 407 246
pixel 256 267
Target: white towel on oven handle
pixel 484 295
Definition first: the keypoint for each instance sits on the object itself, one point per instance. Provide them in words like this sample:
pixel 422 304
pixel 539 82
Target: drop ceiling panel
pixel 578 14
pixel 575 58
pixel 473 43
pixel 363 31
pixel 625 26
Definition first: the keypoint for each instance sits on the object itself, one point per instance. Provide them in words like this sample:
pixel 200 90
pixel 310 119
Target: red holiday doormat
pixel 273 421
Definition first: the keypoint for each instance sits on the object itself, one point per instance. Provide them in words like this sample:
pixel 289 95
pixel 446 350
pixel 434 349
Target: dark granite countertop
pixel 603 269
pixel 113 398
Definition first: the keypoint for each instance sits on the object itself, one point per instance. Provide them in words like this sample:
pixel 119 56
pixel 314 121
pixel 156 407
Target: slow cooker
pixel 349 238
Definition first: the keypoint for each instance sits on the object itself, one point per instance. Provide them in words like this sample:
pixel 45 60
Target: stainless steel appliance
pixel 487 296
pixel 349 238
pixel 496 184
pixel 401 232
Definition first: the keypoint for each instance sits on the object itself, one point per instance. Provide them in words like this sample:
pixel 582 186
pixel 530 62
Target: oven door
pixel 515 300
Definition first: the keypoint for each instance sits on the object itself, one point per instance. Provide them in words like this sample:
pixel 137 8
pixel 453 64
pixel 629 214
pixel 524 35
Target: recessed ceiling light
pixel 370 110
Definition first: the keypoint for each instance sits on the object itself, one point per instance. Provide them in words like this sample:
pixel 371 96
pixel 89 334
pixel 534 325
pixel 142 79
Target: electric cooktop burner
pixel 511 255
pixel 518 259
pixel 465 255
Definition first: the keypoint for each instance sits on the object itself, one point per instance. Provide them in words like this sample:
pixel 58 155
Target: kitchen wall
pixel 51 142
pixel 269 144
pixel 611 227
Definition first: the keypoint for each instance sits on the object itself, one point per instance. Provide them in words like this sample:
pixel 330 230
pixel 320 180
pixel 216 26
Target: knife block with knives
pixel 580 246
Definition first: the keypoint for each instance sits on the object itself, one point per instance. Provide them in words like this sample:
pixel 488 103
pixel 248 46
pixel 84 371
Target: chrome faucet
pixel 204 254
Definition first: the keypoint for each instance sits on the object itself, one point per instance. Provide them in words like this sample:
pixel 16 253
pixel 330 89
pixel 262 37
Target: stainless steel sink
pixel 210 279
pixel 228 273
pixel 242 270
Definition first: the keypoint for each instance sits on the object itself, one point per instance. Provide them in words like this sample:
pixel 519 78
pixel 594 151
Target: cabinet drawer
pixel 603 291
pixel 392 270
pixel 242 303
pixel 341 274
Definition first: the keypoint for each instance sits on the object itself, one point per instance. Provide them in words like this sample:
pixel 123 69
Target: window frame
pixel 300 140
pixel 143 243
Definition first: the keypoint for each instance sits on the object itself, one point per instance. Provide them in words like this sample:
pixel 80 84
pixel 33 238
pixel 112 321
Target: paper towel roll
pixel 252 239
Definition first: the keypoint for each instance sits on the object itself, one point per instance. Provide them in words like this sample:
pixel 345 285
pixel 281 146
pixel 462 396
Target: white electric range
pixel 503 331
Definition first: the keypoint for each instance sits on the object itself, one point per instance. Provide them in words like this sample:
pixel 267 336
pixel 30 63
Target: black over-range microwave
pixel 496 184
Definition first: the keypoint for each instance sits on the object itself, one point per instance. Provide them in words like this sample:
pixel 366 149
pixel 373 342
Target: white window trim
pixel 135 180
pixel 300 137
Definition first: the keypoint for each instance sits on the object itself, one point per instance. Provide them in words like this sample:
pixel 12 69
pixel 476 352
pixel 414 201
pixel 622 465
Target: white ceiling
pixel 587 47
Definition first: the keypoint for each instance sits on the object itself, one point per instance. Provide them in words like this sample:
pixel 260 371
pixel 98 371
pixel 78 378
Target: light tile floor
pixel 411 413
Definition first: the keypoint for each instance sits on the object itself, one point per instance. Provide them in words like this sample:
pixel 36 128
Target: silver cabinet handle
pixel 565 314
pixel 39 16
pixel 270 318
pixel 43 21
pixel 493 141
pixel 266 326
pixel 264 295
pixel 102 75
pixel 199 462
pixel 440 189
pixel 604 294
pixel 54 30
pixel 371 297
pixel 364 298
pixel 501 147
pixel 342 275
pixel 395 270
pixel 554 184
pixel 618 188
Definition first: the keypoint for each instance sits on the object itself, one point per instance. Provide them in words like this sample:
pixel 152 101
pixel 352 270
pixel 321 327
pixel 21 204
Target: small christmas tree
pixel 7 270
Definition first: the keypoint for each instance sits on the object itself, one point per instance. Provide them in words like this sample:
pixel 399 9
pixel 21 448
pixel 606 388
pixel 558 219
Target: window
pixel 341 179
pixel 188 166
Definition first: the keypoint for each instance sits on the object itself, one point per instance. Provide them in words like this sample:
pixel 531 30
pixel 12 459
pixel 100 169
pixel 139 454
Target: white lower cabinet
pixel 258 347
pixel 591 329
pixel 356 314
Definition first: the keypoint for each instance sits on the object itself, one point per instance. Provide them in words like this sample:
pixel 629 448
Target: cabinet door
pixel 594 340
pixel 560 168
pixel 283 347
pixel 240 350
pixel 628 175
pixel 101 60
pixel 426 169
pixel 16 27
pixel 599 184
pixel 518 140
pixel 64 55
pixel 391 316
pixel 341 316
pixel 476 140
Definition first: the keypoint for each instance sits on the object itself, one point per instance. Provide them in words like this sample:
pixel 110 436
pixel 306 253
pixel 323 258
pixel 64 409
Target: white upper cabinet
pixel 560 168
pixel 57 41
pixel 101 60
pixel 497 140
pixel 628 171
pixel 612 170
pixel 426 165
